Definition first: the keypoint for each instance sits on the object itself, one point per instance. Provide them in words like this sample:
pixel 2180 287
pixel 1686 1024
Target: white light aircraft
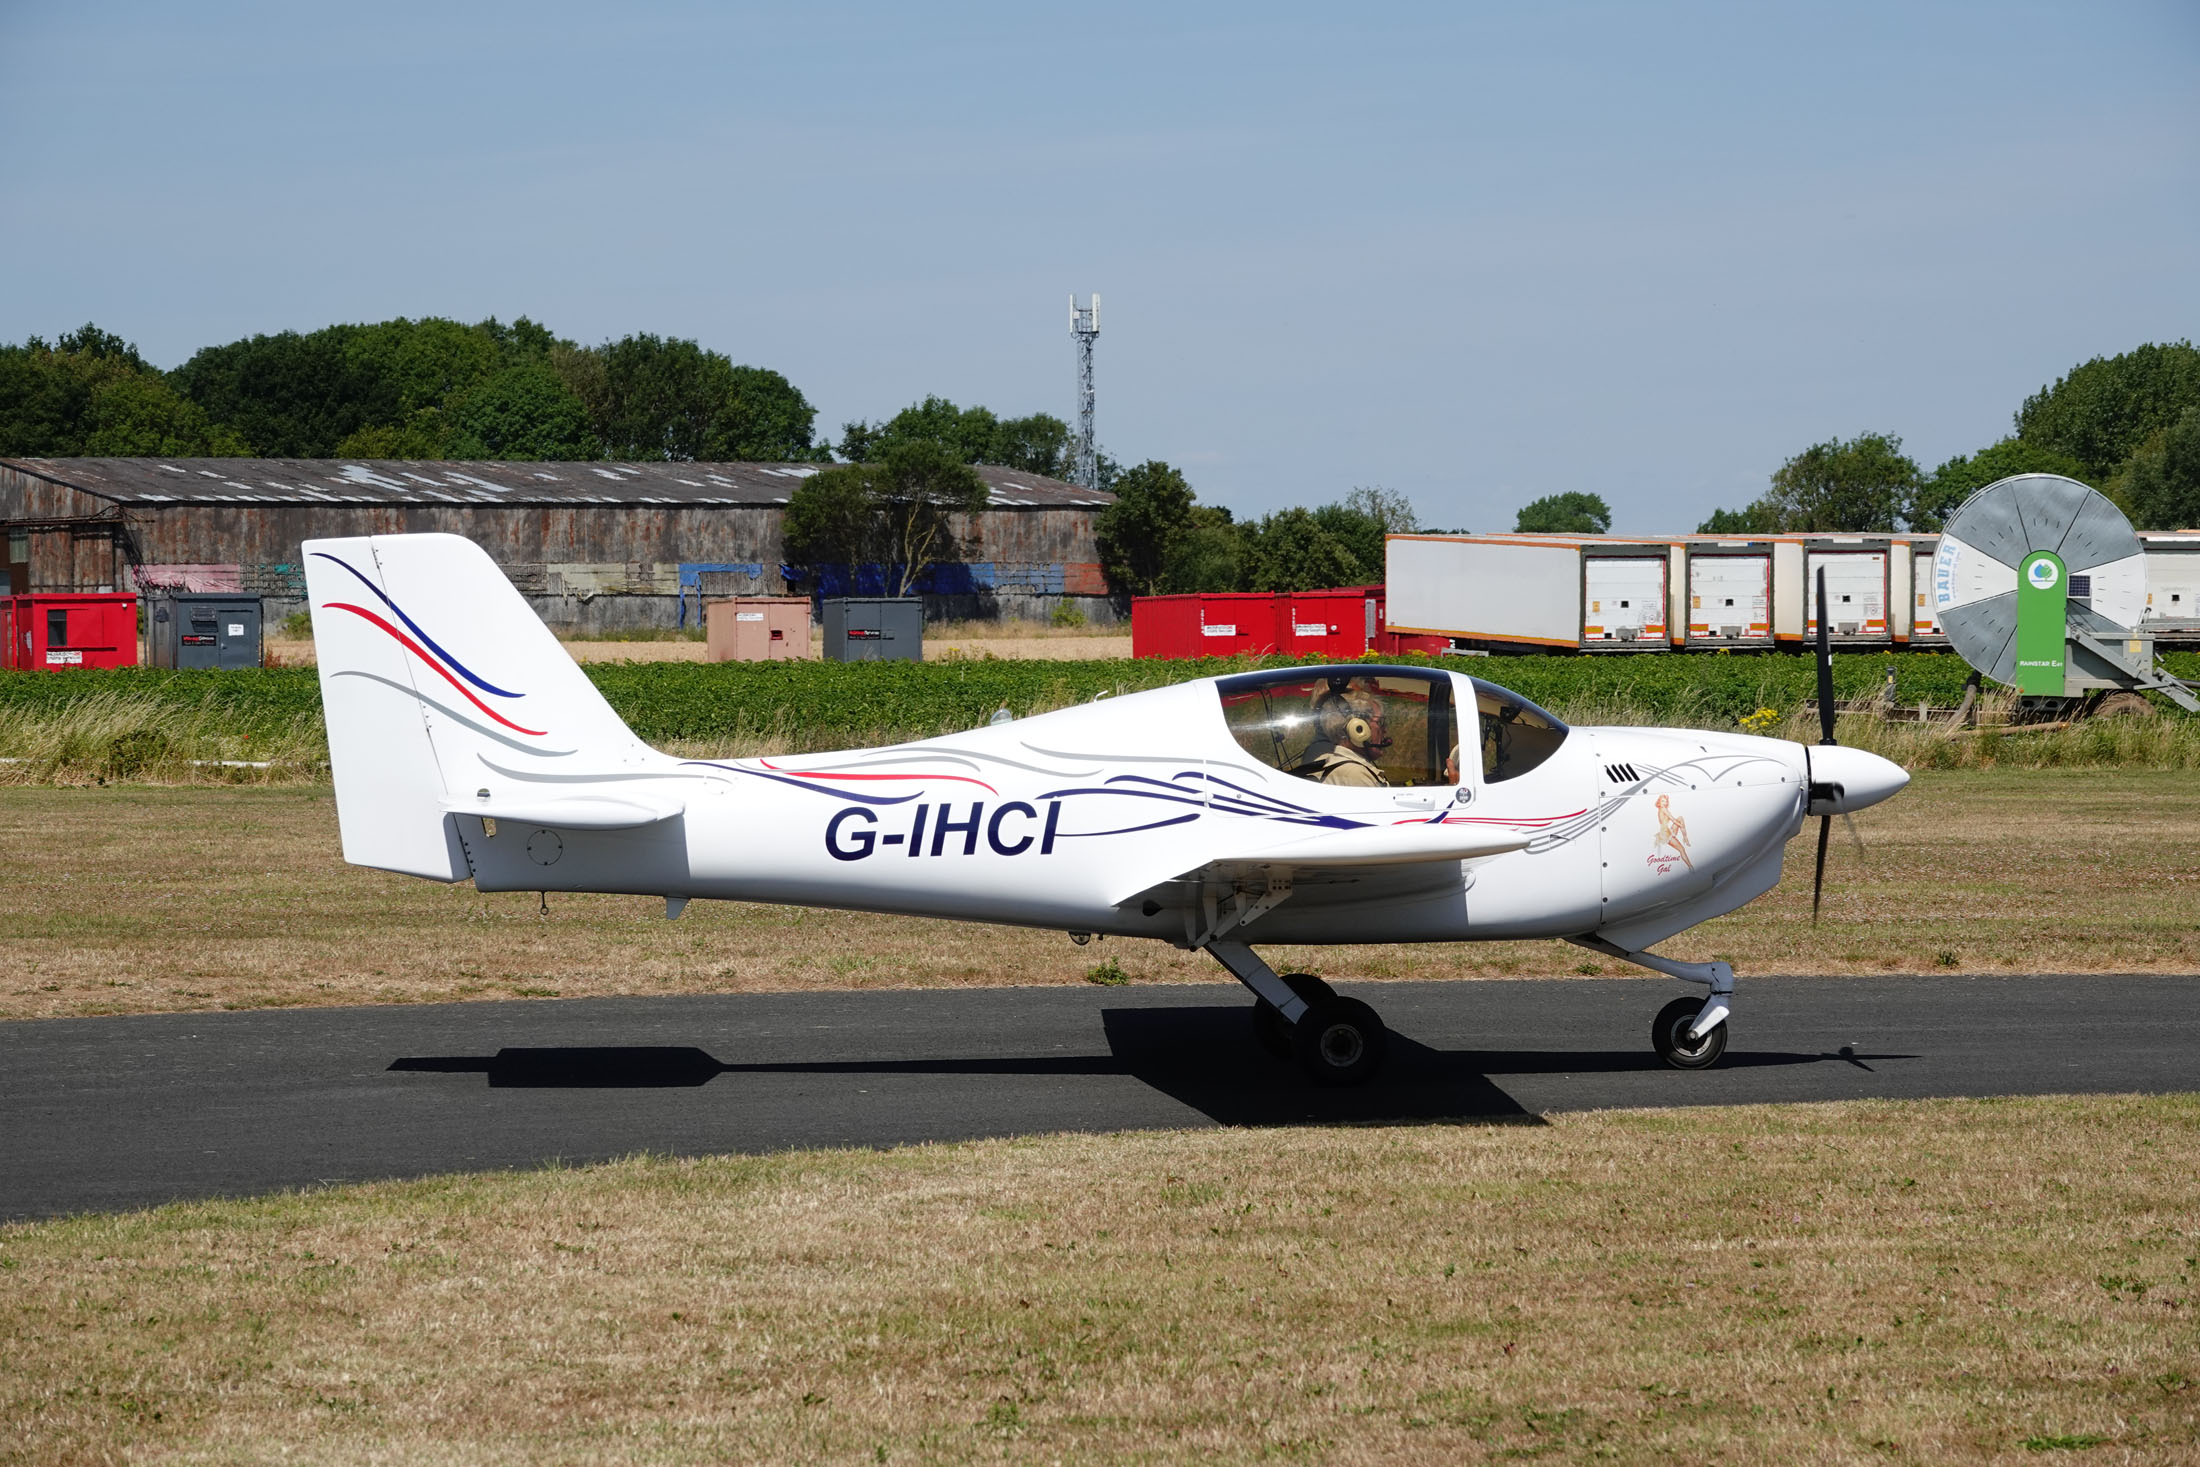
pixel 1298 805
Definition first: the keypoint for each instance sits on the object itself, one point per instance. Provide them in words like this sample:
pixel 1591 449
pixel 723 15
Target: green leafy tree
pixel 1152 513
pixel 436 388
pixel 898 510
pixel 421 365
pixel 1961 477
pixel 924 487
pixel 766 419
pixel 521 412
pixel 134 414
pixel 833 518
pixel 1340 544
pixel 291 394
pixel 1362 521
pixel 1571 513
pixel 1209 556
pixel 653 397
pixel 91 393
pixel 1861 485
pixel 425 435
pixel 1293 550
pixel 1038 444
pixel 1750 519
pixel 2103 411
pixel 2163 482
pixel 388 389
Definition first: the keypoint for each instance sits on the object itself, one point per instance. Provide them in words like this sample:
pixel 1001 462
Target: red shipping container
pixel 1341 623
pixel 1204 624
pixel 50 631
pixel 1393 644
pixel 1344 623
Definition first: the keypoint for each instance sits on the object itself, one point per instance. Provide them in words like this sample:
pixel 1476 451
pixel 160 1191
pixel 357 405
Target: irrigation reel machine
pixel 2040 585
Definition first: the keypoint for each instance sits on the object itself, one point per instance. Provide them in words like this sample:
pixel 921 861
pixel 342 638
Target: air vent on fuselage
pixel 1621 774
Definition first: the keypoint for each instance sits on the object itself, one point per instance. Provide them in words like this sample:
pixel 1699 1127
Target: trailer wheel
pixel 2125 705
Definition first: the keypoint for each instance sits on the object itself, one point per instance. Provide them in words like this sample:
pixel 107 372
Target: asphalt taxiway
pixel 99 1114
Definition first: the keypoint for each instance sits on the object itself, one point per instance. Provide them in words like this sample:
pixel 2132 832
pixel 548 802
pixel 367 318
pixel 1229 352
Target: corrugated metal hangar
pixel 596 546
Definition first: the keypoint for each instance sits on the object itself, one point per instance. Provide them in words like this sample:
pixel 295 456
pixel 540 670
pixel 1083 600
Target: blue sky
pixel 1473 253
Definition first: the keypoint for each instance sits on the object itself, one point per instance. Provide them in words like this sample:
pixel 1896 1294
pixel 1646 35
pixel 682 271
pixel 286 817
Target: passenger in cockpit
pixel 1348 729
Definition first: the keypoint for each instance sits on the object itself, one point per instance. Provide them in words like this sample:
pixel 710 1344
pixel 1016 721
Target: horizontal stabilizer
pixel 572 812
pixel 1381 845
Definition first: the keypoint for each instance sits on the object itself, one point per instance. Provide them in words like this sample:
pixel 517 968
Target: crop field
pixel 264 726
pixel 139 898
pixel 1922 1282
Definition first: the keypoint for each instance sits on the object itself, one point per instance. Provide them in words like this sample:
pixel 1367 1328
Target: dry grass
pixel 1012 629
pixel 1925 1282
pixel 1078 648
pixel 136 899
pixel 113 735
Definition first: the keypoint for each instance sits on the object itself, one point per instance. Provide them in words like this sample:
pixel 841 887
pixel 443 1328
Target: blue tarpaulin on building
pixel 958 578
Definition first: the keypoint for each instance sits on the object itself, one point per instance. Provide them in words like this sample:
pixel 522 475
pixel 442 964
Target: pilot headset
pixel 1338 721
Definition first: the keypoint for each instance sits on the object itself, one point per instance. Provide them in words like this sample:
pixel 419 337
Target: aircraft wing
pixel 1415 842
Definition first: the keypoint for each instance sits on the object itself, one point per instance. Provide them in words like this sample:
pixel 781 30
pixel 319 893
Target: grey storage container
pixel 204 629
pixel 874 629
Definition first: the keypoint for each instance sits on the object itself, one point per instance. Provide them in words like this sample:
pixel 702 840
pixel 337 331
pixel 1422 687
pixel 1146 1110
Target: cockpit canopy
pixel 1305 721
pixel 1516 734
pixel 1373 725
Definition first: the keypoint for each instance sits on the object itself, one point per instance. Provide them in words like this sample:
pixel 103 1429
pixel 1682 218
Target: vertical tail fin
pixel 437 680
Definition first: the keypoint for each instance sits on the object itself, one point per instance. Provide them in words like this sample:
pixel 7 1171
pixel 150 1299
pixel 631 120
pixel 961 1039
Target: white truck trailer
pixel 1602 593
pixel 1868 588
pixel 2173 586
pixel 1574 592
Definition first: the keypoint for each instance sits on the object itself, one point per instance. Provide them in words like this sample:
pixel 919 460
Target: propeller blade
pixel 1818 877
pixel 1856 835
pixel 1825 670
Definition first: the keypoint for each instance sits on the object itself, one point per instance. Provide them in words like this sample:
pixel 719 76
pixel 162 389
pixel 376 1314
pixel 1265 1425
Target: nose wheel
pixel 1672 1036
pixel 1673 1033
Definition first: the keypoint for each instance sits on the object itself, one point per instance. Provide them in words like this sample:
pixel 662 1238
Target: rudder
pixel 438 680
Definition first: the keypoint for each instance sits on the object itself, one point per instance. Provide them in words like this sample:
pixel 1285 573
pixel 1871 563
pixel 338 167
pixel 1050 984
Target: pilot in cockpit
pixel 1348 737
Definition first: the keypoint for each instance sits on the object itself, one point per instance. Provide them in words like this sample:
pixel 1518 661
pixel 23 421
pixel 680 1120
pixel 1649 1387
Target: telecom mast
pixel 1084 326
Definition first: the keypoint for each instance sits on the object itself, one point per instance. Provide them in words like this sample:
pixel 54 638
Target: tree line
pixel 1156 538
pixel 441 389
pixel 900 508
pixel 2127 425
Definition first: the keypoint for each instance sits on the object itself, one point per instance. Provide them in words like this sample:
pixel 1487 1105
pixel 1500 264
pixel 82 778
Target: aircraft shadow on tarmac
pixel 1202 1057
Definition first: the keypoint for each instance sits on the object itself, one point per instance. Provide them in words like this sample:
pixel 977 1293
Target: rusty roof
pixel 233 481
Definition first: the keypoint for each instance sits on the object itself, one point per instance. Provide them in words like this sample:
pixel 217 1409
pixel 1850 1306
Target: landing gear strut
pixel 1271 1031
pixel 1336 1040
pixel 1688 1034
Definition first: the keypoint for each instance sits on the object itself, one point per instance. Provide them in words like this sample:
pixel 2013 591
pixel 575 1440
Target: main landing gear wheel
pixel 1269 1028
pixel 1340 1041
pixel 1670 1038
